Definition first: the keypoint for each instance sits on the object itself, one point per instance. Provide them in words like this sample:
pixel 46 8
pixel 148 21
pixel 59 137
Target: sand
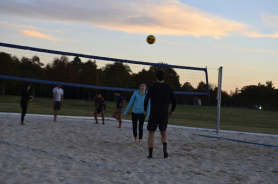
pixel 110 155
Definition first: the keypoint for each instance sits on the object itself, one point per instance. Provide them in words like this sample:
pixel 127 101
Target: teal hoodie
pixel 137 100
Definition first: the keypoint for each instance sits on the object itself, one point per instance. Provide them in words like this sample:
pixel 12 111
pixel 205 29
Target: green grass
pixel 237 119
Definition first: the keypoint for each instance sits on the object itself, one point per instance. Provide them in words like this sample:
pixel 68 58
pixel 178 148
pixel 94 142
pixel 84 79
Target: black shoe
pixel 165 153
pixel 96 122
pixel 149 157
pixel 103 123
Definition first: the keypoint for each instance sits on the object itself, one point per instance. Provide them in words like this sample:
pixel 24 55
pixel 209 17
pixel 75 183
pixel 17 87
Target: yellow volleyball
pixel 150 39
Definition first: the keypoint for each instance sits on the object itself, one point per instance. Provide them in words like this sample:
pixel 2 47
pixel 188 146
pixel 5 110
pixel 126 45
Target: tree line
pixel 117 74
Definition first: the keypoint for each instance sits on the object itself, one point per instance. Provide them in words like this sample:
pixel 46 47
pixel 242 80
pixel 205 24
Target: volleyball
pixel 30 99
pixel 151 39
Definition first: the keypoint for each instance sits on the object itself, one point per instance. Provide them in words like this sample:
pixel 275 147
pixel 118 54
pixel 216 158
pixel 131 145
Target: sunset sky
pixel 241 36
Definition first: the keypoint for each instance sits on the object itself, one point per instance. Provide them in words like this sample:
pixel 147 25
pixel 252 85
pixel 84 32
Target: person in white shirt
pixel 58 99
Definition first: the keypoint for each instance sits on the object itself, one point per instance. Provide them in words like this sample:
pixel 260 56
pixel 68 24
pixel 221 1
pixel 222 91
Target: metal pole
pixel 219 98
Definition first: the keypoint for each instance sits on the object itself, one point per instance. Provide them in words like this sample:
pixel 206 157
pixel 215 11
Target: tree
pixel 62 70
pixel 187 87
pixel 144 76
pixel 117 75
pixel 88 73
pixel 202 87
pixel 32 68
pixel 77 63
pixel 36 61
pixel 8 66
pixel 261 94
pixel 170 75
pixel 91 75
pixel 269 84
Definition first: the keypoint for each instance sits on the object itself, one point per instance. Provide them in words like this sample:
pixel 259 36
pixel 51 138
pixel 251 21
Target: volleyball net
pixel 29 64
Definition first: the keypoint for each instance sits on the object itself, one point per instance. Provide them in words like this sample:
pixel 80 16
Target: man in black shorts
pixel 58 98
pixel 160 94
pixel 99 100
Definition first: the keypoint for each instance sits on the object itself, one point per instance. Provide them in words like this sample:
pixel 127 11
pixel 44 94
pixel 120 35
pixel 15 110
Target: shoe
pixel 96 122
pixel 103 123
pixel 165 153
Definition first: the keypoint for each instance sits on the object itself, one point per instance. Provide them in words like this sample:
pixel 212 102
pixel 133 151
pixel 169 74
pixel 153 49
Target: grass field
pixel 237 119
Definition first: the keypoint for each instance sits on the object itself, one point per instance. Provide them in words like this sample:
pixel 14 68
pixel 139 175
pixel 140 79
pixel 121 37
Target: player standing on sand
pixel 25 96
pixel 99 100
pixel 137 100
pixel 160 94
pixel 58 99
pixel 120 107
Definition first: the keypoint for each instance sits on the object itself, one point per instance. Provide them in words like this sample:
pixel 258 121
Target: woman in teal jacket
pixel 137 100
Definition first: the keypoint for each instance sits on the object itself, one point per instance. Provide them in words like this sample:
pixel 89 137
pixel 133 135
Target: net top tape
pixel 98 57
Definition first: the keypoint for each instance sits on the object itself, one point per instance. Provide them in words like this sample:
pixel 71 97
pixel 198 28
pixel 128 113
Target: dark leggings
pixel 135 118
pixel 23 113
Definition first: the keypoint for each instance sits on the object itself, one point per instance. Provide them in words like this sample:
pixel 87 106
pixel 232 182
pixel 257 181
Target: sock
pixel 150 153
pixel 164 146
pixel 165 150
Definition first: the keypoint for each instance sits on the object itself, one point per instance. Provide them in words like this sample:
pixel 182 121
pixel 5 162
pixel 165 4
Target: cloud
pixel 34 33
pixel 159 17
pixel 247 49
pixel 16 25
pixel 26 26
pixel 258 35
pixel 270 19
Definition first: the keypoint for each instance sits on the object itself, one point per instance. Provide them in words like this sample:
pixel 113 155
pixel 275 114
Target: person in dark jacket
pixel 100 107
pixel 120 107
pixel 25 97
pixel 160 94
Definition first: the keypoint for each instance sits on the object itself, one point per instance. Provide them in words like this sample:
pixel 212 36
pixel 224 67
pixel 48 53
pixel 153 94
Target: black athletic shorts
pixel 100 108
pixel 57 105
pixel 161 122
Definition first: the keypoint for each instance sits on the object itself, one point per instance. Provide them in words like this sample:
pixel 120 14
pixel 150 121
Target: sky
pixel 241 36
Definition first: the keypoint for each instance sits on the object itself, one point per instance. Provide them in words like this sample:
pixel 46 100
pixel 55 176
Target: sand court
pixel 80 151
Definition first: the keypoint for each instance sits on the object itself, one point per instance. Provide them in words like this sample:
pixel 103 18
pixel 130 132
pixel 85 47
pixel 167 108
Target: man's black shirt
pixel 160 94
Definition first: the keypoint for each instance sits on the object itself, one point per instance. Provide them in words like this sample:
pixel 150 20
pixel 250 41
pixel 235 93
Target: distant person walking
pixel 119 107
pixel 137 100
pixel 100 107
pixel 160 94
pixel 58 98
pixel 25 97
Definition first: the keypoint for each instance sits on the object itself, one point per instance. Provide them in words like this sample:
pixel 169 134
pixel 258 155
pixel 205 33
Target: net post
pixel 219 98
